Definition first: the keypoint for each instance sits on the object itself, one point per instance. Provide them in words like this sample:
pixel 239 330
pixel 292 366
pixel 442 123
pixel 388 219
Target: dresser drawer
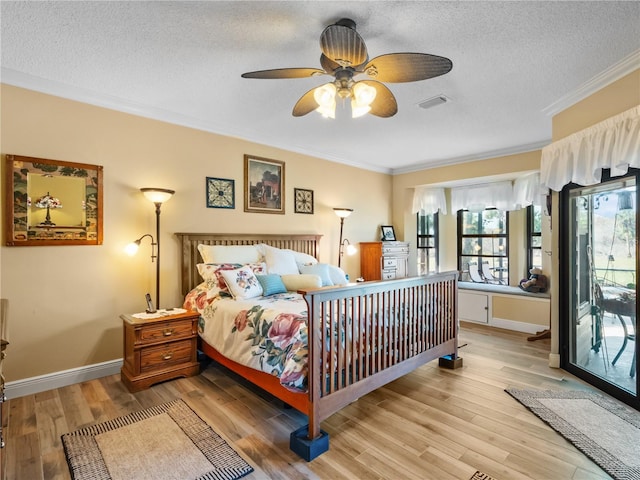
pixel 388 274
pixel 395 249
pixel 165 356
pixel 389 262
pixel 166 331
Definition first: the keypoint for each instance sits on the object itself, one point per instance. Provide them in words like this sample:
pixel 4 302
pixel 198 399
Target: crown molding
pixel 618 70
pixel 503 152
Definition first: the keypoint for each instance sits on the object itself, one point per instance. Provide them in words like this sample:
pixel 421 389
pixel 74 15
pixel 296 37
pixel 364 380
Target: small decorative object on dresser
pixel 221 193
pixel 303 200
pixel 159 347
pixel 384 260
pixel 387 233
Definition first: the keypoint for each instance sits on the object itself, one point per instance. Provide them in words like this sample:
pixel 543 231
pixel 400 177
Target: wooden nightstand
pixel 159 349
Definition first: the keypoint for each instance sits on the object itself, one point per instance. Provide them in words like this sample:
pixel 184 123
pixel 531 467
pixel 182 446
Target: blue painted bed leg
pixel 450 361
pixel 307 448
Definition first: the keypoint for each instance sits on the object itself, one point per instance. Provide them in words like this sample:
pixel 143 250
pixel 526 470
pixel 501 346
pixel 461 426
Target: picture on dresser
pixel 388 234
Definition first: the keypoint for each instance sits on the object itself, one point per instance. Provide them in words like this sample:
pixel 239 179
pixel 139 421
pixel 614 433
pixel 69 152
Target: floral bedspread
pixel 265 333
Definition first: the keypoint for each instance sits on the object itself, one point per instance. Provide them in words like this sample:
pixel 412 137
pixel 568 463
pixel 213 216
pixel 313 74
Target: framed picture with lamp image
pixel 388 235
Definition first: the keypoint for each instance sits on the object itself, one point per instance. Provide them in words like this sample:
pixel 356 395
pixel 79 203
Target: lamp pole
pixel 158 204
pixel 157 196
pixel 340 248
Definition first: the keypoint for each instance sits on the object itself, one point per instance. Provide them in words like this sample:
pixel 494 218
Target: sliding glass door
pixel 598 284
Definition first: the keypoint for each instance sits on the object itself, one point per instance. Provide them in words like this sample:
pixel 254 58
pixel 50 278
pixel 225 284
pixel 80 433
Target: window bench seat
pixel 505 289
pixel 503 306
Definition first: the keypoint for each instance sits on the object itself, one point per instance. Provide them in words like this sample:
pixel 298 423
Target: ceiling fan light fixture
pixel 325 97
pixel 361 99
pixel 359 110
pixel 364 94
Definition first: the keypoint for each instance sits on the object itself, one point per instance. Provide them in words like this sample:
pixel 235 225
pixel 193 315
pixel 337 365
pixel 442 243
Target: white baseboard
pixel 554 360
pixel 42 383
pixel 515 325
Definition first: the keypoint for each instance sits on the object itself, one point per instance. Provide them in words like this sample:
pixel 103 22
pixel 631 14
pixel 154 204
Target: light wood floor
pixel 431 424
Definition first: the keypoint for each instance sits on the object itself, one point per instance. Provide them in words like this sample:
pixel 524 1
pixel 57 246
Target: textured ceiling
pixel 513 62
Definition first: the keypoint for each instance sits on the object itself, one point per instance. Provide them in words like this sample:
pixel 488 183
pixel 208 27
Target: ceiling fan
pixel 344 56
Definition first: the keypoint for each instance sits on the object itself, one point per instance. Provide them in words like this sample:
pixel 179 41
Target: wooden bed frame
pixel 388 329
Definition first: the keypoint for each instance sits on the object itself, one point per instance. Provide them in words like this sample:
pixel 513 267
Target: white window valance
pixel 579 158
pixel 429 200
pixel 527 191
pixel 476 198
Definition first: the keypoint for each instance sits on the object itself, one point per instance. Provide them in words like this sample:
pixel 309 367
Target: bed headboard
pixel 190 278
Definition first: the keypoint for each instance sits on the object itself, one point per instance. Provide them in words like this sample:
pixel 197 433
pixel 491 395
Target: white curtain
pixel 476 198
pixel 527 191
pixel 429 200
pixel 579 158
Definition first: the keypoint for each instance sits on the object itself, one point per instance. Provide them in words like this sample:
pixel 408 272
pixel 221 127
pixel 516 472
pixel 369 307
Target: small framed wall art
pixel 263 185
pixel 387 233
pixel 303 200
pixel 221 193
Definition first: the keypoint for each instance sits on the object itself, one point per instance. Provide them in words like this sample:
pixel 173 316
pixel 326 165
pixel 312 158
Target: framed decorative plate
pixel 303 200
pixel 221 193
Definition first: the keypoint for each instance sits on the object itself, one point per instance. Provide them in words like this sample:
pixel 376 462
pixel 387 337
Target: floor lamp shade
pixel 342 213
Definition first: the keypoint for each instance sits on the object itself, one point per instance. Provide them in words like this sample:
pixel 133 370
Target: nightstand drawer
pixel 165 356
pixel 166 331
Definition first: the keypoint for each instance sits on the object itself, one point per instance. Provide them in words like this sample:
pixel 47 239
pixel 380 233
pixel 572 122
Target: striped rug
pixel 165 442
pixel 605 430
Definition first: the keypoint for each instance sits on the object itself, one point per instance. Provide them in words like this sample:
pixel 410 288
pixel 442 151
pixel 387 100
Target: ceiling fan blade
pixel 306 104
pixel 385 104
pixel 342 44
pixel 285 73
pixel 329 65
pixel 407 67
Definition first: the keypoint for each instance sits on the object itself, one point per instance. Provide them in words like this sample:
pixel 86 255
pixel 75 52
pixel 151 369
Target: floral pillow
pixel 242 283
pixel 211 273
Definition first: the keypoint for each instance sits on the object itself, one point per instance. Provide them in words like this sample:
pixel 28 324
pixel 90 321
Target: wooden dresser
pixel 159 349
pixel 384 260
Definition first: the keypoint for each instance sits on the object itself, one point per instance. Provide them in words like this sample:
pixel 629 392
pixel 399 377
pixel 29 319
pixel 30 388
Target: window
pixel 534 237
pixel 427 243
pixel 483 237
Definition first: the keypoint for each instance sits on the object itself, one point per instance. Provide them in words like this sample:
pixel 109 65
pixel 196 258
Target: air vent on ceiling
pixel 434 101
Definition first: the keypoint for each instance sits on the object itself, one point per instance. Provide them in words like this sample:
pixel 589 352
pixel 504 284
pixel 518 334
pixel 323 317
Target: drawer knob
pixel 167 332
pixel 167 356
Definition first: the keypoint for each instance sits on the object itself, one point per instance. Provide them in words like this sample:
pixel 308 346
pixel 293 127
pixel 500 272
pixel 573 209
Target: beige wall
pixel 611 100
pixel 65 301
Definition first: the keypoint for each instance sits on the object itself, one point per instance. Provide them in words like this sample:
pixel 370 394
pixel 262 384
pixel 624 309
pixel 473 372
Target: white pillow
pixel 320 269
pixel 301 282
pixel 337 275
pixel 281 262
pixel 303 258
pixel 229 254
pixel 242 283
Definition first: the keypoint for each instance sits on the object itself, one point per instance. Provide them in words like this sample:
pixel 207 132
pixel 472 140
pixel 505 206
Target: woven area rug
pixel 481 476
pixel 606 431
pixel 166 442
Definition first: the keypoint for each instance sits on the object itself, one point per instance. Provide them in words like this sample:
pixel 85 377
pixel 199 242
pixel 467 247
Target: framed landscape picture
pixel 263 185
